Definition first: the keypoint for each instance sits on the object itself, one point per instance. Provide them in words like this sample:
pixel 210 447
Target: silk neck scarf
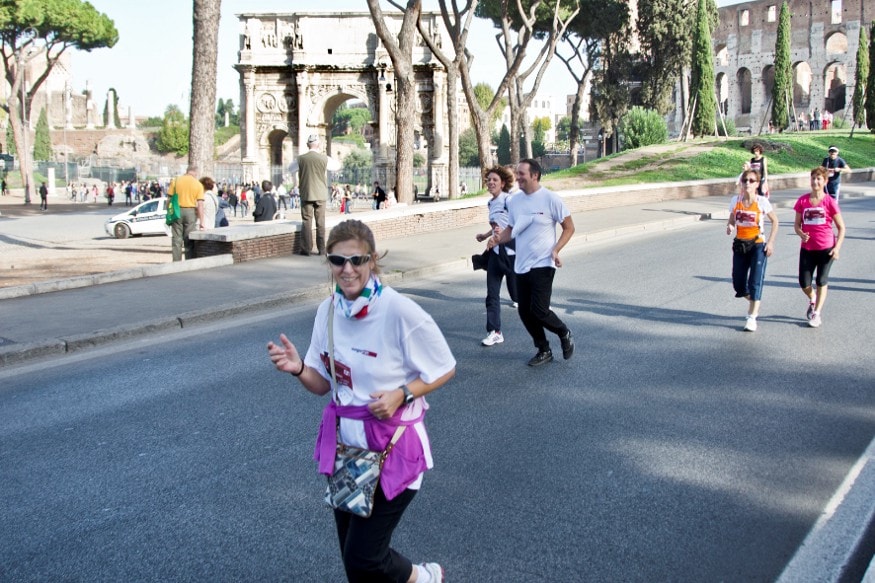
pixel 358 308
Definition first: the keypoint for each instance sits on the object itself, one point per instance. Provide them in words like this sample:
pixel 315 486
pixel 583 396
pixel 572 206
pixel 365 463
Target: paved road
pixel 673 447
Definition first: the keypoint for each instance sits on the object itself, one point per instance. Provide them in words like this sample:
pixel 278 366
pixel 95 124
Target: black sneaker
pixel 543 357
pixel 567 345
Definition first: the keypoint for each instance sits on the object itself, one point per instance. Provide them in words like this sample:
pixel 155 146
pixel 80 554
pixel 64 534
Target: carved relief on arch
pixel 266 103
pixel 319 96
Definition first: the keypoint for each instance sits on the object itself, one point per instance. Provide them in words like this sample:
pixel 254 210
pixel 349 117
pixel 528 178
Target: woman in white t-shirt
pixel 388 354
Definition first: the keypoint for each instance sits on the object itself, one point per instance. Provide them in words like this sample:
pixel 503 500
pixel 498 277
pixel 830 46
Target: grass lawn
pixel 723 159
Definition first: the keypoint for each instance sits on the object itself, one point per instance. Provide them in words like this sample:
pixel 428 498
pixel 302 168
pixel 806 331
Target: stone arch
pixel 768 78
pixel 297 68
pixel 836 43
pixel 721 85
pixel 745 88
pixel 835 87
pixel 721 56
pixel 280 148
pixel 802 78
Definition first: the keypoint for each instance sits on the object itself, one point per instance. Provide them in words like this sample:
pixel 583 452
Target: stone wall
pixel 276 238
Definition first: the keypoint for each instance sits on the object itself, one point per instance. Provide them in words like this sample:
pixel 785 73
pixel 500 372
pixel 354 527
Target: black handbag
pixel 743 246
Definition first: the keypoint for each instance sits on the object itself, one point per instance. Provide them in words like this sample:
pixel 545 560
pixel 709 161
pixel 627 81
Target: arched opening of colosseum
pixel 768 83
pixel 802 78
pixel 722 86
pixel 835 87
pixel 721 57
pixel 837 43
pixel 743 80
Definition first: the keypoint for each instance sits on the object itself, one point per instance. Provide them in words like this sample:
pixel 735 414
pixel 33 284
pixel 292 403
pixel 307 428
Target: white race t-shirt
pixel 396 343
pixel 534 218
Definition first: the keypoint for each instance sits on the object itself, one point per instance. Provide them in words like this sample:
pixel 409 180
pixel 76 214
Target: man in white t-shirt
pixel 532 219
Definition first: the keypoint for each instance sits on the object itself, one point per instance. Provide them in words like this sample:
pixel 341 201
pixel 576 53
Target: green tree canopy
pixel 782 90
pixel 666 42
pixel 173 136
pixel 484 94
pixel 350 120
pixel 468 153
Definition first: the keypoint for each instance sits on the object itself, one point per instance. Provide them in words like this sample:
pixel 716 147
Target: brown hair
pixel 754 172
pixel 505 175
pixel 353 229
pixel 756 147
pixel 208 183
pixel 819 171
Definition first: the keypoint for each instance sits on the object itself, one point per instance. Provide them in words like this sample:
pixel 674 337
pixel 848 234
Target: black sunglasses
pixel 750 180
pixel 340 260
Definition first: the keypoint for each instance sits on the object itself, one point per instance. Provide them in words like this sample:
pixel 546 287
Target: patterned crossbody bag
pixel 352 486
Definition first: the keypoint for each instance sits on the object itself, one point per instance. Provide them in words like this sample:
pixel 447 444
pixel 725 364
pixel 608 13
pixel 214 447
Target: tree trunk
pixel 201 139
pixel 400 52
pixel 574 130
pixel 453 128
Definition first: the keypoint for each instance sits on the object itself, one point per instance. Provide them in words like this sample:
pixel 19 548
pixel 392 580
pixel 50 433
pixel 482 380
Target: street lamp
pixel 28 35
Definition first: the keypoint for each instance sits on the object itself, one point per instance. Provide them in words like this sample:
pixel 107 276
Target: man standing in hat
pixel 834 165
pixel 312 169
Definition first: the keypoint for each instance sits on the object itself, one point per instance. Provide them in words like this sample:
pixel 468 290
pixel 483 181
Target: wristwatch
pixel 408 396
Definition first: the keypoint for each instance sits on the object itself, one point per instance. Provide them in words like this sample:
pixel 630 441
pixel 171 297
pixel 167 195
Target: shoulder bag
pixel 356 476
pixel 173 212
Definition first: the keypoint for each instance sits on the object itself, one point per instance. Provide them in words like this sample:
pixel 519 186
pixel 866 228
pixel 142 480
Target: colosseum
pixel 825 35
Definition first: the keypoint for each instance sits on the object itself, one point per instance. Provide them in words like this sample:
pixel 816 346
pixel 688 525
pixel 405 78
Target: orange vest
pixel 748 220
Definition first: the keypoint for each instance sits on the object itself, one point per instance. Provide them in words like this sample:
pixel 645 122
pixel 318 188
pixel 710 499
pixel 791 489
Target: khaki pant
pixel 309 209
pixel 181 230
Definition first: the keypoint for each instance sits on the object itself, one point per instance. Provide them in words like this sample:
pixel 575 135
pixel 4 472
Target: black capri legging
pixel 809 261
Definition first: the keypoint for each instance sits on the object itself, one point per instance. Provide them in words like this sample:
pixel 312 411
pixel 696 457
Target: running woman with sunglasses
pixel 388 354
pixel 750 251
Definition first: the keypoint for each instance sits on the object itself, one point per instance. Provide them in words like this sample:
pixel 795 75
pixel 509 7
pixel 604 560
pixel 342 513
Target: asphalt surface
pixel 39 325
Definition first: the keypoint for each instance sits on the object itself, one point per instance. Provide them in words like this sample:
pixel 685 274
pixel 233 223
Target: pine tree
pixel 860 80
pixel 782 89
pixel 504 145
pixel 702 83
pixel 870 95
pixel 42 140
pixel 10 140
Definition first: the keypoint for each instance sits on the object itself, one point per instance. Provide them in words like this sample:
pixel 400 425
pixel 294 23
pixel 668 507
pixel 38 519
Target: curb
pixel 841 543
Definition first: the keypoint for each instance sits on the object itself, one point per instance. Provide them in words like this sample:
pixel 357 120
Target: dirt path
pixel 630 163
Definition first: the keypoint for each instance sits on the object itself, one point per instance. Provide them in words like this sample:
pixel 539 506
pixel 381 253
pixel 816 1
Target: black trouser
pixel 499 265
pixel 364 542
pixel 535 289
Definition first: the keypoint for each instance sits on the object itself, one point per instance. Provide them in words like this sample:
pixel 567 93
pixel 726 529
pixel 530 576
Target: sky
pixel 150 66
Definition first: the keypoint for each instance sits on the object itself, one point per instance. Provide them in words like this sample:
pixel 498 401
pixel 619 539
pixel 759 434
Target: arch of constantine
pixel 824 39
pixel 296 69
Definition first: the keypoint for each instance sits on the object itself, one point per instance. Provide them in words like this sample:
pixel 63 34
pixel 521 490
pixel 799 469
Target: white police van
pixel 144 219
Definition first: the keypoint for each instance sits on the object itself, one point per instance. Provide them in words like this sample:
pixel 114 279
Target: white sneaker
pixel 514 305
pixel 493 338
pixel 433 571
pixel 810 313
pixel 815 321
pixel 751 324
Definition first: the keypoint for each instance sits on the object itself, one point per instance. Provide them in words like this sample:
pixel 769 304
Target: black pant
pixel 499 265
pixel 364 542
pixel 535 289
